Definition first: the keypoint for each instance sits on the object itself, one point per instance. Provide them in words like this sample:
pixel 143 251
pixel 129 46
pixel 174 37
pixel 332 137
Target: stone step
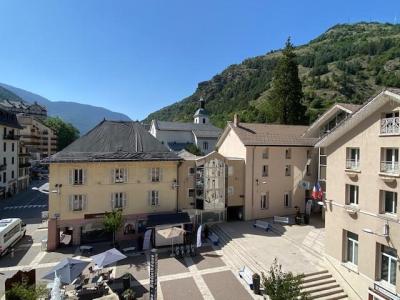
pixel 317 283
pixel 335 297
pixel 321 287
pixel 315 273
pixel 331 292
pixel 316 278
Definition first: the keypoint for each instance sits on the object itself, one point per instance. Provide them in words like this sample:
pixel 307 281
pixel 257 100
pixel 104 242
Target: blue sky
pixel 138 56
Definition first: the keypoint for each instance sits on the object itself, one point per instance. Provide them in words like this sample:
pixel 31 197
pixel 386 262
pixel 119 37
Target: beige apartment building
pixel 360 165
pixel 280 166
pixel 117 165
pixel 39 140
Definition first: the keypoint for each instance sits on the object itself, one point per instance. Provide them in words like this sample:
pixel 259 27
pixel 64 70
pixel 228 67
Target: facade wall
pixel 366 137
pixel 186 182
pixel 232 146
pixel 98 189
pixel 169 136
pixel 276 184
pixel 9 159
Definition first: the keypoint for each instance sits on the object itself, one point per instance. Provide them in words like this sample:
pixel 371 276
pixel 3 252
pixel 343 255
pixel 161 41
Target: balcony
pixel 390 126
pixel 352 164
pixel 10 136
pixel 390 167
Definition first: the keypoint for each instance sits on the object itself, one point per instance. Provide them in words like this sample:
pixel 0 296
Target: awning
pixel 166 219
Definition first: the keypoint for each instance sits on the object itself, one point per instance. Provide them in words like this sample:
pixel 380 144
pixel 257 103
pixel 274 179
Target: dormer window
pixel 390 123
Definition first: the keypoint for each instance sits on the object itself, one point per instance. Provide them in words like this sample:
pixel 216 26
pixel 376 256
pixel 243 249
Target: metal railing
pixel 352 164
pixel 390 167
pixel 390 125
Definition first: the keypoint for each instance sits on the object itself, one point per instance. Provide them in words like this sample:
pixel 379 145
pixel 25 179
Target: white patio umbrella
pixel 171 233
pixel 43 188
pixel 107 257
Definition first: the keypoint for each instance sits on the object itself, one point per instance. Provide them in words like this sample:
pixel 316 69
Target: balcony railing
pixel 390 167
pixel 352 164
pixel 11 136
pixel 390 125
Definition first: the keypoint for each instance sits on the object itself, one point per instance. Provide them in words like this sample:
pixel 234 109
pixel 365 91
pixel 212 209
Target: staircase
pixel 319 285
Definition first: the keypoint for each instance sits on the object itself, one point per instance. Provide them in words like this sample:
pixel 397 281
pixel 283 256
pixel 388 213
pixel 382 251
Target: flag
pixel 317 192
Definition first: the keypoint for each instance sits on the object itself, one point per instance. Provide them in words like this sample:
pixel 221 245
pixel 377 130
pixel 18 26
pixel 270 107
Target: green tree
pixel 20 291
pixel 66 132
pixel 284 99
pixel 113 222
pixel 279 285
pixel 192 148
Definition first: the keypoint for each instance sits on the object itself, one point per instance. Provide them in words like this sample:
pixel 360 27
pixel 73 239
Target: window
pixel 264 172
pixel 12 174
pixel 287 170
pixel 231 190
pixel 287 200
pixel 120 175
pixel 205 145
pixel 308 170
pixel 118 200
pixel 11 233
pixel 155 174
pixel 4 177
pixel 352 194
pixel 4 161
pixel 265 153
pixel 12 147
pixel 264 201
pixel 390 160
pixel 388 264
pixel 353 158
pixel 389 202
pixel 192 171
pixel 77 202
pixel 288 153
pixel 77 176
pixel 12 160
pixel 4 146
pixel 352 248
pixel 153 198
pixel 191 193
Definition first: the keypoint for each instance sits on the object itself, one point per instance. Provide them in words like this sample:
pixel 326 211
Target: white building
pixel 178 135
pixel 9 135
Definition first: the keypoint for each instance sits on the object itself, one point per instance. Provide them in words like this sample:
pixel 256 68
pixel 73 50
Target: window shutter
pixel 267 201
pixel 71 203
pixel 161 174
pixel 149 197
pixel 84 202
pixel 112 200
pixel 71 176
pixel 126 175
pixel 149 174
pixel 113 176
pixel 124 201
pixel 84 174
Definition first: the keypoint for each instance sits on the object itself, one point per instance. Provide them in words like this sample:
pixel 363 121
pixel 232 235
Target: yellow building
pixel 116 165
pixel 360 165
pixel 280 166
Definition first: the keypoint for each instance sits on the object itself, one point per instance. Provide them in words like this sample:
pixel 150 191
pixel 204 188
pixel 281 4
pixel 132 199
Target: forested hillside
pixel 348 63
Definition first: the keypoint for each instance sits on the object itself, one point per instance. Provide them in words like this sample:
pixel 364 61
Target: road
pixel 26 205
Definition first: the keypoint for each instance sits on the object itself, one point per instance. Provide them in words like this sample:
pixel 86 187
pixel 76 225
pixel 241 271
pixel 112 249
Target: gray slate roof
pixel 9 119
pixel 185 126
pixel 115 141
pixel 255 134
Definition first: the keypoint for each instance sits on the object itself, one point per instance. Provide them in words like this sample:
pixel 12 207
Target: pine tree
pixel 285 96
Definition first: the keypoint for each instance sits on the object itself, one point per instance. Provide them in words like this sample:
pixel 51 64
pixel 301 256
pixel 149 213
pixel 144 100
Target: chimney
pixel 236 120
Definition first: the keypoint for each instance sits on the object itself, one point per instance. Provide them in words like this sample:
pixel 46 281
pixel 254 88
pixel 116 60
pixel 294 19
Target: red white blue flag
pixel 317 193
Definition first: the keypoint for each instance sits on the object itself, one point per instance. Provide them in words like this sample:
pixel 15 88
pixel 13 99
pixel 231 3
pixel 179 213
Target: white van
pixel 11 231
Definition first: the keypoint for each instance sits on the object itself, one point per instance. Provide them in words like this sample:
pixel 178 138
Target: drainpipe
pixel 177 185
pixel 252 183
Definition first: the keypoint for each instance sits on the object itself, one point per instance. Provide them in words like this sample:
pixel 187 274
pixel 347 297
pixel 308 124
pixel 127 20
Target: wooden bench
pixel 278 219
pixel 262 224
pixel 247 275
pixel 213 238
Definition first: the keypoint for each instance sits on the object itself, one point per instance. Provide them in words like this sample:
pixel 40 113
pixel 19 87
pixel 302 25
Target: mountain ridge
pixel 82 116
pixel 346 63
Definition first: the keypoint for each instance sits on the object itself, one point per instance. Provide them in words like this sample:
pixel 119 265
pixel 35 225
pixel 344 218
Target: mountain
pixel 82 116
pixel 347 63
